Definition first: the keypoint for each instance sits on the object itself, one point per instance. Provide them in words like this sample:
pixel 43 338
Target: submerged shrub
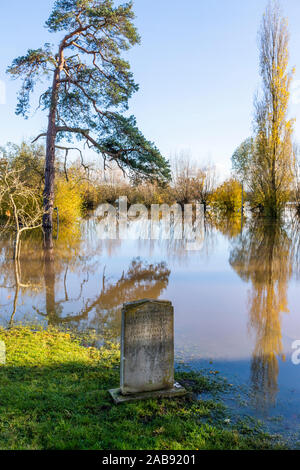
pixel 228 196
pixel 68 200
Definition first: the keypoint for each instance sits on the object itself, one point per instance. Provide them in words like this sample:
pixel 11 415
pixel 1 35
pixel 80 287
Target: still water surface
pixel 236 300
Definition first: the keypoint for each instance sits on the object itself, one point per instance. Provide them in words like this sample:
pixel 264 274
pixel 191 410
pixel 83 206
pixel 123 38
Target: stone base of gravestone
pixel 176 391
pixel 147 352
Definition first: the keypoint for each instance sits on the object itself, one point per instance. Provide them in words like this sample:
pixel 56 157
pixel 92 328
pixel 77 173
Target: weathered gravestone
pixel 147 352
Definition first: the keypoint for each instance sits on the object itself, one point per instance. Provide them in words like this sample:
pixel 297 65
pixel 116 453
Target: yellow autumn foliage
pixel 228 196
pixel 272 171
pixel 68 200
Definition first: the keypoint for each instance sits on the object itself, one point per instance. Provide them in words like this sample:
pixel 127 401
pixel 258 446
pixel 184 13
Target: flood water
pixel 236 300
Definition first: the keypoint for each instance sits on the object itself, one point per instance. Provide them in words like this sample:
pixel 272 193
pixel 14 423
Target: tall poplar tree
pixel 272 164
pixel 89 90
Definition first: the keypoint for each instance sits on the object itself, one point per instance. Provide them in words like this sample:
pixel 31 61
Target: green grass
pixel 53 395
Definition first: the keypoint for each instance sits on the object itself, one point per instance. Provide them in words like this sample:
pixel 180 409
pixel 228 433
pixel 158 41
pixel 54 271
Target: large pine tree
pixel 90 85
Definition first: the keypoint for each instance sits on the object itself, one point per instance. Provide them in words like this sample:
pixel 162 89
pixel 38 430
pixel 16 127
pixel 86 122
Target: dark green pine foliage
pixel 90 84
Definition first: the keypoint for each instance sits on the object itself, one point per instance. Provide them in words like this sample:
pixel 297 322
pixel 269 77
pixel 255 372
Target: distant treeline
pixel 81 187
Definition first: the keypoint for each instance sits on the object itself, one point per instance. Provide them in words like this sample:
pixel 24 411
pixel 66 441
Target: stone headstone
pixel 147 346
pixel 147 351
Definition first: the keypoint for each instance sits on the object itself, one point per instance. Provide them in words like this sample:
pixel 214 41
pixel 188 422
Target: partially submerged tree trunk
pixel 50 157
pixel 17 246
pixel 17 291
pixel 49 276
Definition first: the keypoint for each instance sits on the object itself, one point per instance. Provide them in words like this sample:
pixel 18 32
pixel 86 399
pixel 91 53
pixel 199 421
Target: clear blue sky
pixel 197 68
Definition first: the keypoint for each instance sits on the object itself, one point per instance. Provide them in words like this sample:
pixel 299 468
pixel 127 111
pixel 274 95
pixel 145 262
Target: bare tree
pixel 184 172
pixel 207 175
pixel 193 182
pixel 20 204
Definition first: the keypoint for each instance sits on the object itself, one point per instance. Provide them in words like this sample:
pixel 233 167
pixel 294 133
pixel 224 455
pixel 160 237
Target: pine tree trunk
pixel 50 158
pixel 49 181
pixel 49 276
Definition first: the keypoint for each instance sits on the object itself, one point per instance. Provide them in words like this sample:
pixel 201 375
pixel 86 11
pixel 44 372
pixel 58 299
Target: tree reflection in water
pixel 263 256
pixel 50 272
pixel 141 280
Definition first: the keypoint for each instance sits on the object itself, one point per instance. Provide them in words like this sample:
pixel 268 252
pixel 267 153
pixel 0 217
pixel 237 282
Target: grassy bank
pixel 53 395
